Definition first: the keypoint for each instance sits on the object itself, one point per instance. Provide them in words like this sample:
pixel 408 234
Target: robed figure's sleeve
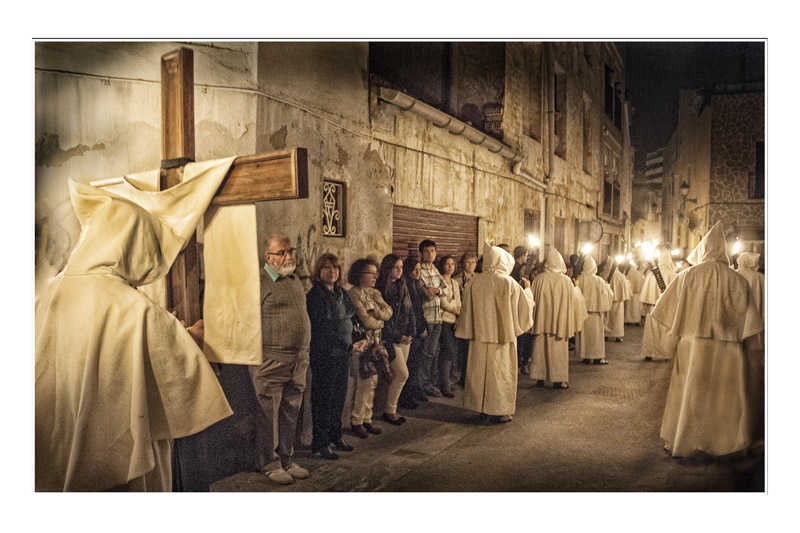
pixel 524 310
pixel 581 314
pixel 464 322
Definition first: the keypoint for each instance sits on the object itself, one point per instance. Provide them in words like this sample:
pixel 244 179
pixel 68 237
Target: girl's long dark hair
pixel 392 291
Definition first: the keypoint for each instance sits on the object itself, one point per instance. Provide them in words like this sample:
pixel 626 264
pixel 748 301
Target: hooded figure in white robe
pixel 615 318
pixel 556 319
pixel 597 294
pixel 656 345
pixel 650 291
pixel 633 307
pixel 714 404
pixel 748 268
pixel 117 376
pixel 495 311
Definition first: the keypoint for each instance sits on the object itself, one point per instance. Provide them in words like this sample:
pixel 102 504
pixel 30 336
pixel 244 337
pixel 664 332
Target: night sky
pixel 657 70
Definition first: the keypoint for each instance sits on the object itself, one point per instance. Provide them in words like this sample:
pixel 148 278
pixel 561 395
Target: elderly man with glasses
pixel 280 380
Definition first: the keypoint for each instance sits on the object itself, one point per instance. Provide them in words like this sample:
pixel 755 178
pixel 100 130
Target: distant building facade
pixel 719 166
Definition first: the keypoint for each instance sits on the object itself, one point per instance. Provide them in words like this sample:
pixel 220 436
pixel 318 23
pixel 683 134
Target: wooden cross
pixel 281 174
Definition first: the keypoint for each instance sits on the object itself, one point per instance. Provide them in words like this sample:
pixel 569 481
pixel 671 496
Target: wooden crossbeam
pixel 282 174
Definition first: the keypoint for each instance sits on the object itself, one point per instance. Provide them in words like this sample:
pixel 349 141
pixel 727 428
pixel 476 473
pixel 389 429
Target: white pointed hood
pixel 497 260
pixel 748 260
pixel 137 234
pixel 710 248
pixel 554 262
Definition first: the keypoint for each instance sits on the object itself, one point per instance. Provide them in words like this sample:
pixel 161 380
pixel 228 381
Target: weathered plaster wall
pixel 98 114
pixel 316 96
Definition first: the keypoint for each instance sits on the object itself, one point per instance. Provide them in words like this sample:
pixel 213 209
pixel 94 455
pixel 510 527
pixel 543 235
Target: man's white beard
pixel 287 269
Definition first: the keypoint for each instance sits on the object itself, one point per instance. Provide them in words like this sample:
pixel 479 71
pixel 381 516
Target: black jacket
pixel 403 321
pixel 331 314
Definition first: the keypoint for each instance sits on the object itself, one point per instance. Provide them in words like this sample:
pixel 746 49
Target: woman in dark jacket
pixel 398 331
pixel 331 312
pixel 413 390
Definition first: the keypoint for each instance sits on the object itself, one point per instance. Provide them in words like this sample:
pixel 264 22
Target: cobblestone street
pixel 602 434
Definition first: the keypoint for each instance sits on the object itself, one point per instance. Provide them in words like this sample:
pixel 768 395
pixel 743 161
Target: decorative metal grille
pixel 333 208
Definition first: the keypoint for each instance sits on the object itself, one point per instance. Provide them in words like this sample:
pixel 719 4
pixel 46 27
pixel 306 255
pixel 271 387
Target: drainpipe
pixel 547 76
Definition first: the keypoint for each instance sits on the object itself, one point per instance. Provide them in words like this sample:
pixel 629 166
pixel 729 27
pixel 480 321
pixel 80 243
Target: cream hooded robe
pixel 655 343
pixel 495 311
pixel 650 291
pixel 633 307
pixel 714 403
pixel 615 319
pixel 597 294
pixel 117 376
pixel 556 319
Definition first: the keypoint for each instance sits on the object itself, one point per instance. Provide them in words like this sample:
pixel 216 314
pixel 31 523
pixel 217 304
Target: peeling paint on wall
pixel 50 154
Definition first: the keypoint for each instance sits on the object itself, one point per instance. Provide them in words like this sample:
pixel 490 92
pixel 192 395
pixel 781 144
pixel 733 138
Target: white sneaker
pixel 297 472
pixel 279 475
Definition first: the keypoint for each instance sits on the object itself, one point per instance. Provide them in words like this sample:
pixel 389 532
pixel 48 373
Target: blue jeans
pixel 430 354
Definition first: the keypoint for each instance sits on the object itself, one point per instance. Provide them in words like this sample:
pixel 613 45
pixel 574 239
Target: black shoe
pixel 398 421
pixel 447 393
pixel 540 383
pixel 325 453
pixel 341 446
pixel 375 430
pixel 359 431
pixel 619 339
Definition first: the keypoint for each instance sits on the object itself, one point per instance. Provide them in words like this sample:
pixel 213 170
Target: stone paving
pixel 602 434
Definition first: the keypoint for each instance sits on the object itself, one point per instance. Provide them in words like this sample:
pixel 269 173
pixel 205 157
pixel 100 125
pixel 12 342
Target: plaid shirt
pixel 431 307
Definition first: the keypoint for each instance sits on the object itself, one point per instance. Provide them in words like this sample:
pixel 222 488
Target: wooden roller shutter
pixel 453 234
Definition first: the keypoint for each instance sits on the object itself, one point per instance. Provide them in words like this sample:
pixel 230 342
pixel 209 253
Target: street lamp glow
pixel 676 252
pixel 658 253
pixel 533 242
pixel 737 247
pixel 638 244
pixel 648 251
pixel 619 259
pixel 587 248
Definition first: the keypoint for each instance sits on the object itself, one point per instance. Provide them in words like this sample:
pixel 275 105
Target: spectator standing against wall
pixel 372 312
pixel 398 331
pixel 413 390
pixel 433 282
pixel 466 272
pixel 280 380
pixel 450 300
pixel 331 315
